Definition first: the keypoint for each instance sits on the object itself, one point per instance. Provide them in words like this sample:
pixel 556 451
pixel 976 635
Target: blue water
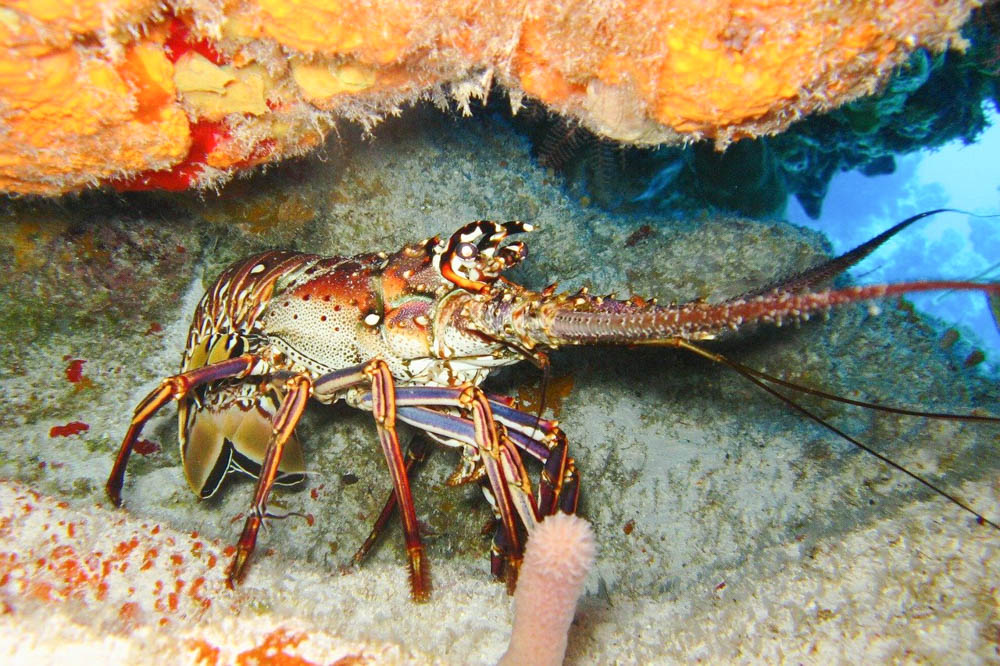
pixel 946 246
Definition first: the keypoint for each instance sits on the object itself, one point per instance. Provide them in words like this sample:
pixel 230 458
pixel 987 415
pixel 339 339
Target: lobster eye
pixel 473 258
pixel 466 251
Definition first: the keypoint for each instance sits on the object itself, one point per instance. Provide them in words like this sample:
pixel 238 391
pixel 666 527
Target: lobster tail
pixel 531 319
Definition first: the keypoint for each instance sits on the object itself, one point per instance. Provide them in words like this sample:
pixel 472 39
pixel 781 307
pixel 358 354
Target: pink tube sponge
pixel 559 553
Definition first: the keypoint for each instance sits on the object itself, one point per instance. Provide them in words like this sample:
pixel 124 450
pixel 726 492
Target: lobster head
pixel 473 259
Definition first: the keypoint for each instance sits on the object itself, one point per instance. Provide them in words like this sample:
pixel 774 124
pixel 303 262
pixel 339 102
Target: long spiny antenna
pixel 831 268
pixel 946 416
pixel 761 379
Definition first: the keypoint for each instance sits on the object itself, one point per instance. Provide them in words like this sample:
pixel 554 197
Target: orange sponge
pixel 723 69
pixel 72 119
pixel 141 93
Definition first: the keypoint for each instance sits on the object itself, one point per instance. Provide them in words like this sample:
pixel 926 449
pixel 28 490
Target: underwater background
pixel 857 206
pixel 730 527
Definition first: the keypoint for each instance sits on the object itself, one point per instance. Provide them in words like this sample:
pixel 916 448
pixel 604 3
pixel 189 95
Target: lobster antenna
pixel 543 398
pixel 760 379
pixel 945 416
pixel 546 366
pixel 831 268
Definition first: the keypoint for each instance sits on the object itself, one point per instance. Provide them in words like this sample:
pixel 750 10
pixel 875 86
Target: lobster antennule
pixel 531 319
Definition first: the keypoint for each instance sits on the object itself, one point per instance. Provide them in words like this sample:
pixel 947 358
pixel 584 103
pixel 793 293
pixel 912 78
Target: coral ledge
pixel 143 94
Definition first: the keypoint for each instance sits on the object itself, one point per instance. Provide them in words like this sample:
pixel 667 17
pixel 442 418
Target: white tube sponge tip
pixel 559 553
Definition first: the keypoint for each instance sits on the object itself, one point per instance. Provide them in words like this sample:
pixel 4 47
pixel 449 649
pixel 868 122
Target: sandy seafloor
pixel 730 528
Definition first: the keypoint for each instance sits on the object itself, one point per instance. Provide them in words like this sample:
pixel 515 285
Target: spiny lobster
pixel 410 337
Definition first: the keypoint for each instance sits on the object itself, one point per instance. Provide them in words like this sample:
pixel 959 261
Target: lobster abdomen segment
pixel 231 306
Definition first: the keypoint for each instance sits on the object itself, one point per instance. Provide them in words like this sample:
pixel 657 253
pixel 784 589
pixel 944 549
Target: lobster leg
pixel 416 453
pixel 527 431
pixel 384 410
pixel 540 438
pixel 500 433
pixel 509 485
pixel 299 388
pixel 497 455
pixel 171 388
pixel 465 430
pixel 559 487
pixel 326 387
pixel 508 481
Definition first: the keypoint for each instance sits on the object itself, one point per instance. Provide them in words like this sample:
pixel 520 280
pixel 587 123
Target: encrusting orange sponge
pixel 149 94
